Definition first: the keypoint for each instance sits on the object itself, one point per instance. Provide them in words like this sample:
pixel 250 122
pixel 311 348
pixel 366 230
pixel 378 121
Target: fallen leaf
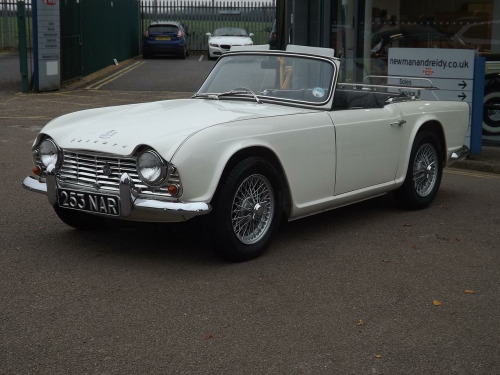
pixel 407 225
pixel 470 291
pixel 208 336
pixel 414 246
pixel 386 261
pixel 436 302
pixel 360 322
pixel 378 356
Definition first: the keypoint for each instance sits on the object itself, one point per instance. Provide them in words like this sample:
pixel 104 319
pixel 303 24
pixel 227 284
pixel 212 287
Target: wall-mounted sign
pixel 47 45
pixel 450 70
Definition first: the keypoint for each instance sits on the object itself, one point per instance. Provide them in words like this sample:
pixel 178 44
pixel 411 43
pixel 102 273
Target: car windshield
pixel 163 29
pixel 230 31
pixel 275 77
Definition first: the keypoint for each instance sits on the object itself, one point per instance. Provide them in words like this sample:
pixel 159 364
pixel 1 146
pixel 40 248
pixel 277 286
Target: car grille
pixel 101 172
pixel 226 46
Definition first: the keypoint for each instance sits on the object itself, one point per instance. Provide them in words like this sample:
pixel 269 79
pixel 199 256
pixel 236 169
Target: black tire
pixel 491 112
pixel 425 170
pixel 80 220
pixel 246 210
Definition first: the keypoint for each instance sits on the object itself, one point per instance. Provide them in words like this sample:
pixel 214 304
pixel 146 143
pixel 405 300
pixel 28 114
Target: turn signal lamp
pixel 36 170
pixel 173 190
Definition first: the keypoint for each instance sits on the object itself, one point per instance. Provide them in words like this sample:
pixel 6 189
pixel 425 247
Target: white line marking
pixel 97 85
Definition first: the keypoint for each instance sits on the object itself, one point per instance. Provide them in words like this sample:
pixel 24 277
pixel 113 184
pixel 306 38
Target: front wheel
pixel 425 170
pixel 247 210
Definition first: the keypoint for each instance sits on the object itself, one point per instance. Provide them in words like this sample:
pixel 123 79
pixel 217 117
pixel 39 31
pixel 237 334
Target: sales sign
pixel 451 71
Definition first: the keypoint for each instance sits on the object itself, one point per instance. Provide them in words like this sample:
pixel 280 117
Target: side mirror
pixel 208 34
pixel 250 35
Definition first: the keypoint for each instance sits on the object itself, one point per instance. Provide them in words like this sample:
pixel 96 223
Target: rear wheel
pixel 247 210
pixel 79 220
pixel 425 170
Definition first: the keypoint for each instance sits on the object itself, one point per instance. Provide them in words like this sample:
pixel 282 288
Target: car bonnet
pixel 162 125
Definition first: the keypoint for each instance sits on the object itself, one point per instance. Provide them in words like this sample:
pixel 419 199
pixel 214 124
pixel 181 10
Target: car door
pixel 368 146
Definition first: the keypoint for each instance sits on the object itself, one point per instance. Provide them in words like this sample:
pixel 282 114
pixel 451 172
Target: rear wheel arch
pixel 436 128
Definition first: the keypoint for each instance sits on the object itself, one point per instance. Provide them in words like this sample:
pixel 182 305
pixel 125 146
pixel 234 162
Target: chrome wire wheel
pixel 252 209
pixel 425 170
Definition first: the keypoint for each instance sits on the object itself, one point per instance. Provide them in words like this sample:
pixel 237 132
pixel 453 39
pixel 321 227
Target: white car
pixel 224 38
pixel 269 135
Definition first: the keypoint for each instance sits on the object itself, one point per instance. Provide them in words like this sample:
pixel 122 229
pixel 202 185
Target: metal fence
pixel 9 37
pixel 202 17
pixel 199 16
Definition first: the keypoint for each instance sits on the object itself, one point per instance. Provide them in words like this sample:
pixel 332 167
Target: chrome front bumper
pixel 131 206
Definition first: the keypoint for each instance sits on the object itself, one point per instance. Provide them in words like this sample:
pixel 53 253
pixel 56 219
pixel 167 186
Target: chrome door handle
pixel 398 123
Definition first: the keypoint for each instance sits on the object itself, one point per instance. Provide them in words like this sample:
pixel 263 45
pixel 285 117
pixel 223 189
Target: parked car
pixel 224 38
pixel 269 135
pixel 165 38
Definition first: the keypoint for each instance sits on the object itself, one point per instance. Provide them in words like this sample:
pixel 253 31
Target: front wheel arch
pixel 268 155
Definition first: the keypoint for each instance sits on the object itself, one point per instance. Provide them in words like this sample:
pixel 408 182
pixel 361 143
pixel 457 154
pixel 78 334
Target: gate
pixel 71 40
pixel 95 33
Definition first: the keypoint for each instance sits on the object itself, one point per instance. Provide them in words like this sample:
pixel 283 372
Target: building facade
pixel 363 31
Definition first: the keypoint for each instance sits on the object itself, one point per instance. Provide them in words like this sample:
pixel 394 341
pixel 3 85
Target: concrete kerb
pixel 488 161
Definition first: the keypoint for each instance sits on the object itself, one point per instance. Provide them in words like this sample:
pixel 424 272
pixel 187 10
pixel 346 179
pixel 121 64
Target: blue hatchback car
pixel 165 38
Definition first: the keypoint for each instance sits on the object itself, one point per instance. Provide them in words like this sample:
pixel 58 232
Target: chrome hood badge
pixel 108 134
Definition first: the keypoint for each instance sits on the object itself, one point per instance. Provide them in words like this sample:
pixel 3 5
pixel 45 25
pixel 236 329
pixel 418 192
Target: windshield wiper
pixel 237 91
pixel 240 91
pixel 203 95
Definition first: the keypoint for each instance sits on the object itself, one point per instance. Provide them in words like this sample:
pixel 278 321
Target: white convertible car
pixel 269 135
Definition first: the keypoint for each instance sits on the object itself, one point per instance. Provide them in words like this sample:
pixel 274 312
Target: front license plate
pixel 162 38
pixel 99 203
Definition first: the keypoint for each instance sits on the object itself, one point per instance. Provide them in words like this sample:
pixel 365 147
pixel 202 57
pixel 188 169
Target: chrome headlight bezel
pixel 49 153
pixel 151 168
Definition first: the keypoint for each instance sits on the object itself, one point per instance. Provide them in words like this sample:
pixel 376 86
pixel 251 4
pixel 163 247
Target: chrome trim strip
pixel 50 180
pixel 126 186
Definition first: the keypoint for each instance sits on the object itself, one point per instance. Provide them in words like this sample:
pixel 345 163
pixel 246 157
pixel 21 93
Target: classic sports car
pixel 270 134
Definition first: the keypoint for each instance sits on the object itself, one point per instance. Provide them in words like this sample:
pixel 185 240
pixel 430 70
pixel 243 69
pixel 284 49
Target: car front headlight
pixel 151 168
pixel 214 44
pixel 48 152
